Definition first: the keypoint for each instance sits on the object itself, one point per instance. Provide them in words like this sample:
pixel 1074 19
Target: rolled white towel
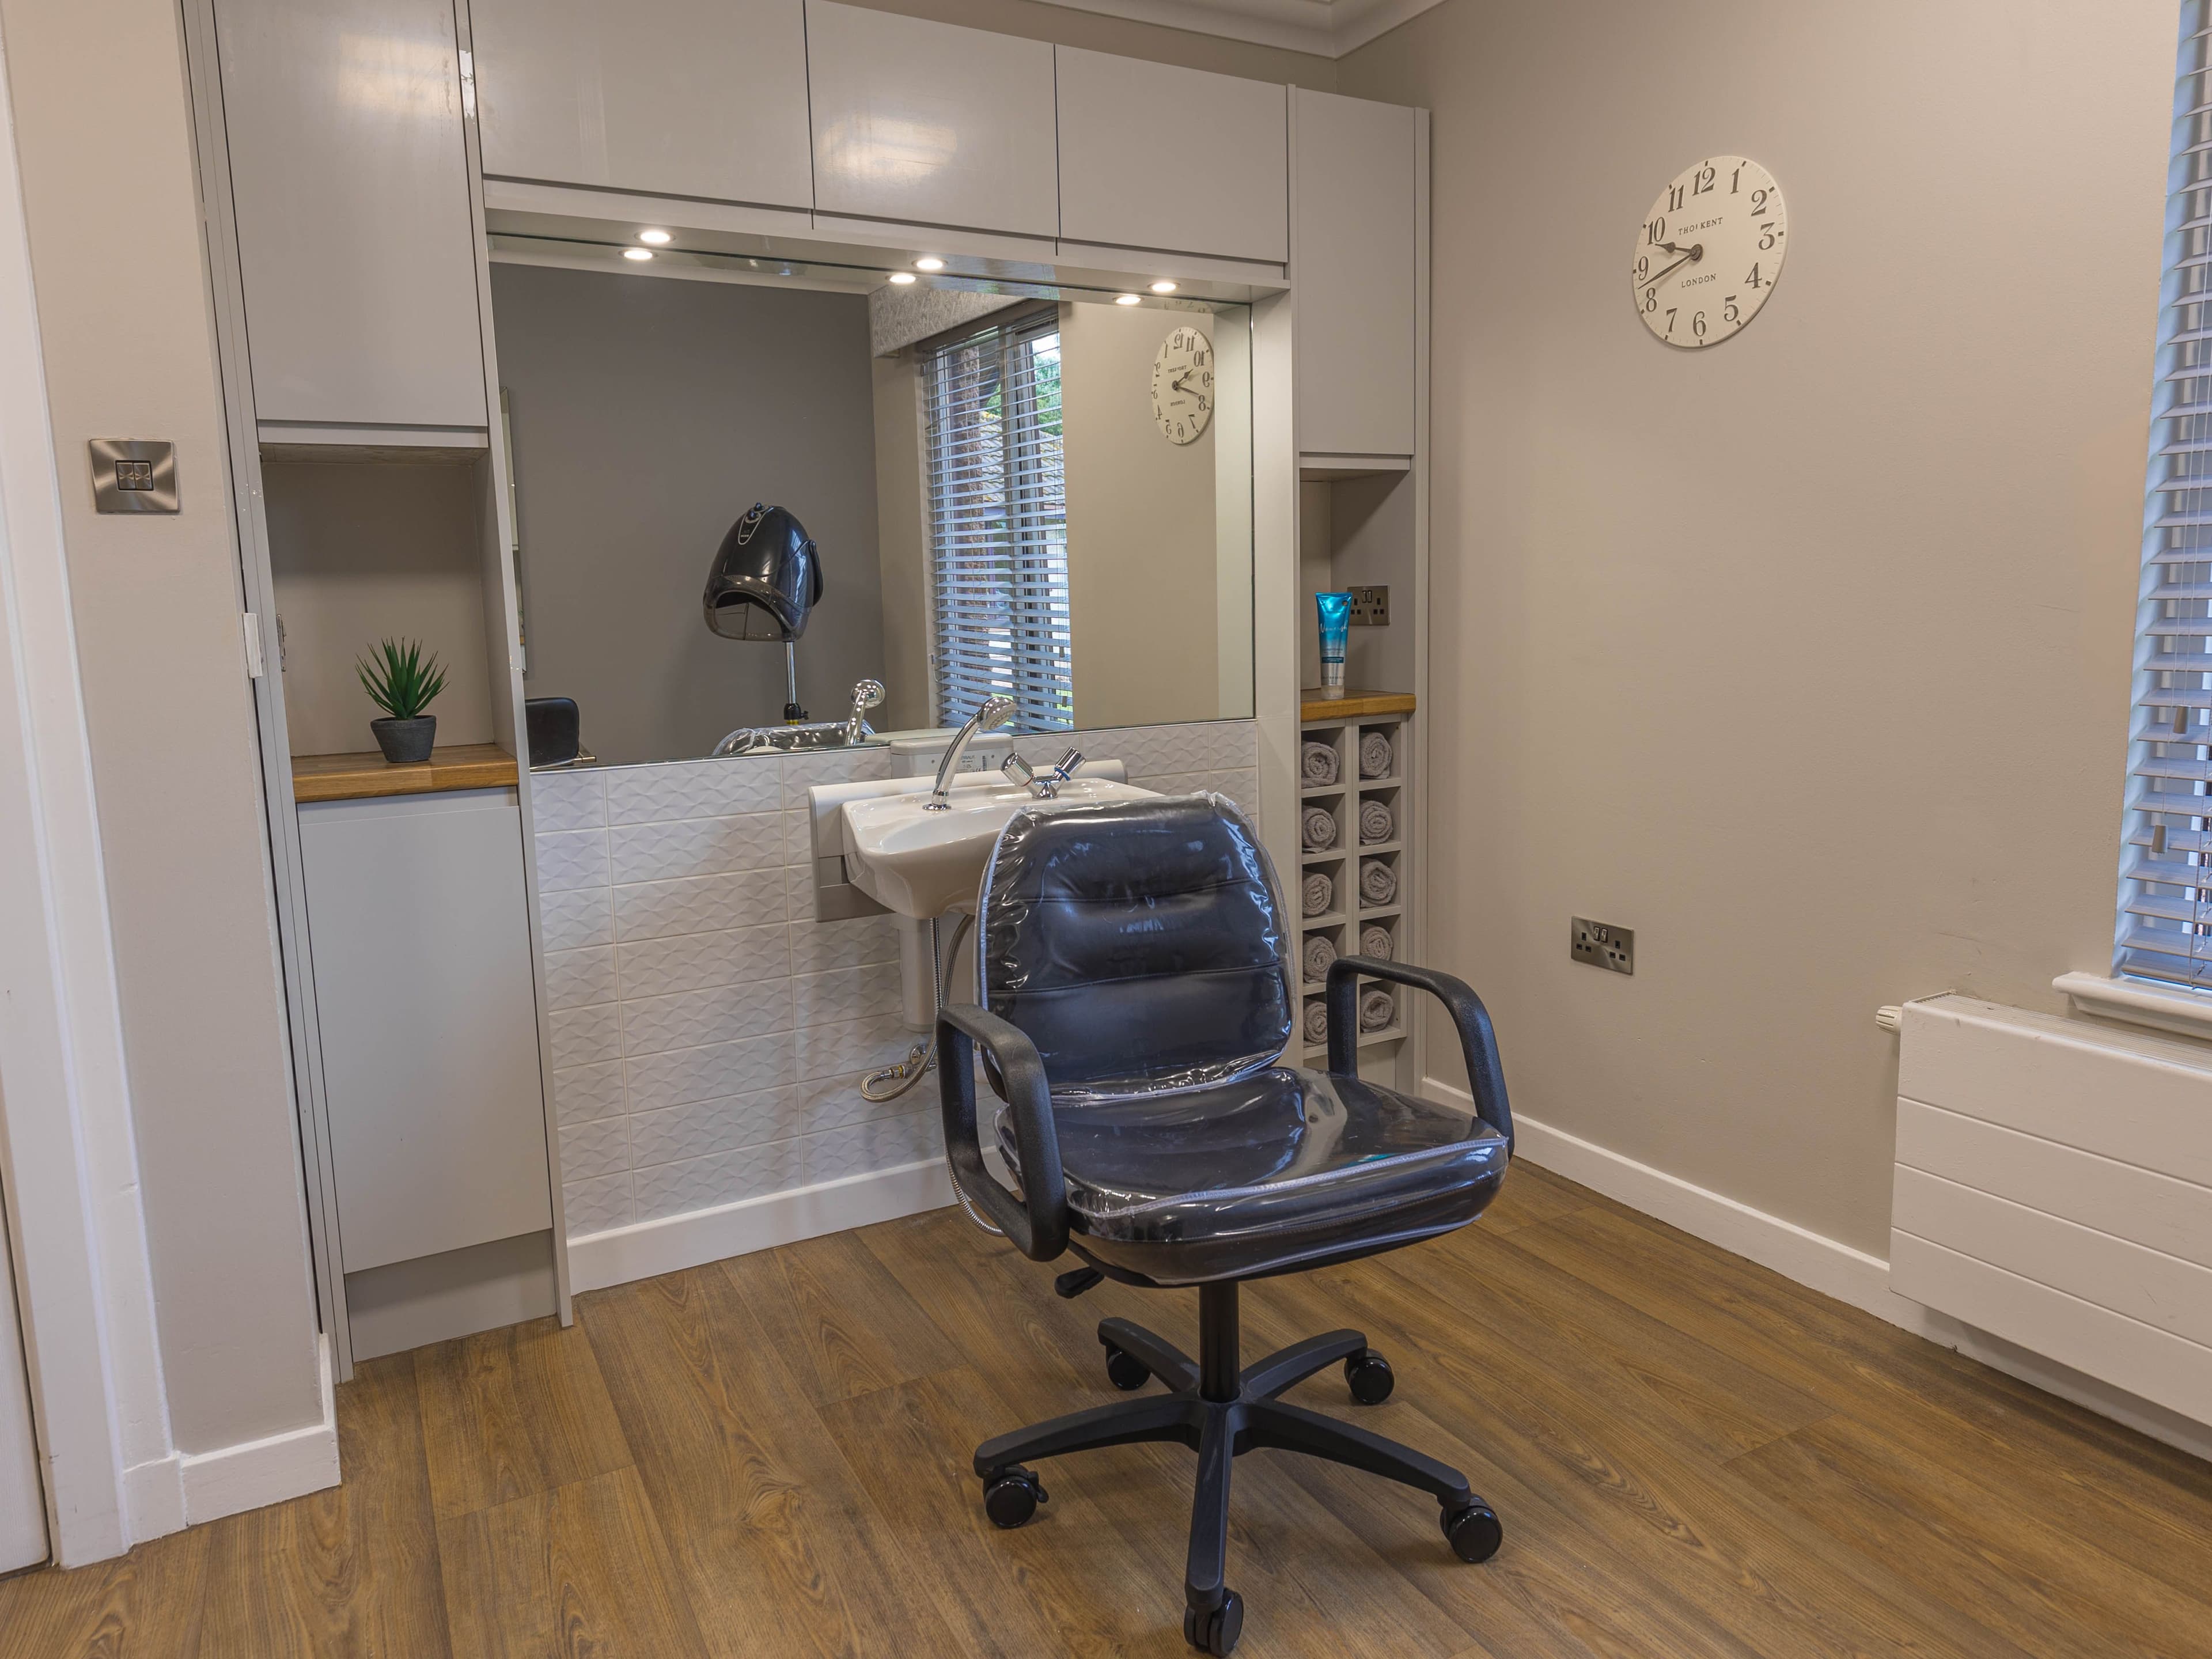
pixel 1316 1020
pixel 1318 826
pixel 1318 893
pixel 1376 821
pixel 1374 755
pixel 1378 882
pixel 1317 761
pixel 1377 1008
pixel 1375 941
pixel 1319 953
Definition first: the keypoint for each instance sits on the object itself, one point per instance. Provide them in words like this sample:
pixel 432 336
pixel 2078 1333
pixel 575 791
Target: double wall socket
pixel 1602 944
pixel 1371 607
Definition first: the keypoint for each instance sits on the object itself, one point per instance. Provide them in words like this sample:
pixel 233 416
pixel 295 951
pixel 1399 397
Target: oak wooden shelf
pixel 1354 704
pixel 366 773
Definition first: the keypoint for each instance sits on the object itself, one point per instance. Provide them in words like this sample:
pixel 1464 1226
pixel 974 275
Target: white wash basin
pixel 922 863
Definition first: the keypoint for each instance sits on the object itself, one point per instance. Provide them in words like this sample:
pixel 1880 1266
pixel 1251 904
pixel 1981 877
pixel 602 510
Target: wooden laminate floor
pixel 1694 1459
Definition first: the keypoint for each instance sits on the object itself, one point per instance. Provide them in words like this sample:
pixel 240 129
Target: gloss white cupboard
pixel 350 183
pixel 1156 156
pixel 1354 253
pixel 925 124
pixel 697 98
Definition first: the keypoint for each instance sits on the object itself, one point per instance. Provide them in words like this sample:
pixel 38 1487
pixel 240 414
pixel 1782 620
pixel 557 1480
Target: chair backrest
pixel 1138 943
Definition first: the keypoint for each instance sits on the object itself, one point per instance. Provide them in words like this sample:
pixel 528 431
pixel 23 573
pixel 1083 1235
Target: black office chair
pixel 1132 968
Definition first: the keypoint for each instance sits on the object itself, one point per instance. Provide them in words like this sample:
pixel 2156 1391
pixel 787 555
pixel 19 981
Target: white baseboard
pixel 233 1478
pixel 646 1248
pixel 1821 1263
pixel 152 1499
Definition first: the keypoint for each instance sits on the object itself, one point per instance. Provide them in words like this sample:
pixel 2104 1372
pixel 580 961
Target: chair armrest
pixel 1485 1072
pixel 1037 1221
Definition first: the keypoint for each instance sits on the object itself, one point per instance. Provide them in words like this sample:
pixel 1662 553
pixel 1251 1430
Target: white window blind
pixel 2165 866
pixel 998 524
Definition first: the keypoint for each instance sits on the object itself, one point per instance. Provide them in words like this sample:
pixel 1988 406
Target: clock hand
pixel 1696 252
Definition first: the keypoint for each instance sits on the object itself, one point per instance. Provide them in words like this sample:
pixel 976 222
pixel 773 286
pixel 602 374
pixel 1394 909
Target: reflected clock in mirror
pixel 1183 386
pixel 1709 252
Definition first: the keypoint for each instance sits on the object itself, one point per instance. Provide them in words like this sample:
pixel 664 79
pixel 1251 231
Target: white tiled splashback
pixel 709 1035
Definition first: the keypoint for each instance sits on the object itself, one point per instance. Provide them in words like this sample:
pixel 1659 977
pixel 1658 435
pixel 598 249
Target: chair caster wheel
pixel 1011 1496
pixel 1216 1629
pixel 1124 1370
pixel 1476 1531
pixel 1369 1377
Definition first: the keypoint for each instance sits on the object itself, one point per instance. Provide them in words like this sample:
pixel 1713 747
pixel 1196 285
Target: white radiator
pixel 2054 1187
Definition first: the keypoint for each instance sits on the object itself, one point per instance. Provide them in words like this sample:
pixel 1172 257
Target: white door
pixel 22 1516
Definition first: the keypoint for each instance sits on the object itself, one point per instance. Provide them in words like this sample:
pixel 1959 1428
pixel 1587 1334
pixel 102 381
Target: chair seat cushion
pixel 1279 1170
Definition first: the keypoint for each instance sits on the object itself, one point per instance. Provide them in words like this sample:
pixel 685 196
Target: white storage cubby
pixel 1350 912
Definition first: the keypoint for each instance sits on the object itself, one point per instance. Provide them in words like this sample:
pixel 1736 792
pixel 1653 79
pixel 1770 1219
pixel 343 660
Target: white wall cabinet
pixel 1354 265
pixel 351 187
pixel 1154 156
pixel 697 98
pixel 420 941
pixel 925 124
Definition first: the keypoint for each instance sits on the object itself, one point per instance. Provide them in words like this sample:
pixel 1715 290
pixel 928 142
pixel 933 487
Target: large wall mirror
pixel 998 500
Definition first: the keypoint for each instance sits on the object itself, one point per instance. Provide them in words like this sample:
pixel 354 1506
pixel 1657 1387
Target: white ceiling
pixel 1329 28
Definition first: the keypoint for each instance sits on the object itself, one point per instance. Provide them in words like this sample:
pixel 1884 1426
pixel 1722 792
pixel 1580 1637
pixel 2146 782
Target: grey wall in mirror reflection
pixel 647 412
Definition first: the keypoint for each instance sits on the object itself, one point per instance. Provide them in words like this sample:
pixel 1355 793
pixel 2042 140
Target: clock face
pixel 1183 386
pixel 1708 253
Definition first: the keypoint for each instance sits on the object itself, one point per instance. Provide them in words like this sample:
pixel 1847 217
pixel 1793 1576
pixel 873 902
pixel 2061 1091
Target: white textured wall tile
pixel 577 917
pixel 695 962
pixel 657 910
pixel 837 1103
pixel 707 1126
pixel 572 858
pixel 567 800
pixel 691 1019
pixel 797 835
pixel 1242 786
pixel 695 846
pixel 883 1144
pixel 583 1035
pixel 802 772
pixel 818 946
pixel 850 1045
pixel 699 1183
pixel 594 1207
pixel 575 978
pixel 845 994
pixel 682 1075
pixel 695 789
pixel 581 1093
pixel 590 1150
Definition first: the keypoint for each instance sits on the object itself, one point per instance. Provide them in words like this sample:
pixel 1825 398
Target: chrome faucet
pixel 868 694
pixel 993 712
pixel 1044 786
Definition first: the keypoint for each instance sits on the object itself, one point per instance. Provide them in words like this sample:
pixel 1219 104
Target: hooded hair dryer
pixel 764 585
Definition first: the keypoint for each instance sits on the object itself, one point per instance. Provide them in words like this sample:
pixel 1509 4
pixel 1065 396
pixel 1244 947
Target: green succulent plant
pixel 400 677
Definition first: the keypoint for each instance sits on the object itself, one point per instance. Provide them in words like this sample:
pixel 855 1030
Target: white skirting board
pixel 646 1248
pixel 1821 1263
pixel 187 1488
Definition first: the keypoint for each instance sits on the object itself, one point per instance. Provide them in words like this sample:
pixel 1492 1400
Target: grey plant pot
pixel 405 742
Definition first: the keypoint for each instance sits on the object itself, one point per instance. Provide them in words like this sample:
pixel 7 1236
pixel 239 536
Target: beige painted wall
pixel 1141 532
pixel 124 322
pixel 1098 33
pixel 361 553
pixel 1807 657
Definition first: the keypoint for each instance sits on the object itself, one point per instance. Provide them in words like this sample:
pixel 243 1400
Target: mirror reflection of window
pixel 998 524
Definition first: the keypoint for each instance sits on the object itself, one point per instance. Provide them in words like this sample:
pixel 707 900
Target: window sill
pixel 2139 1003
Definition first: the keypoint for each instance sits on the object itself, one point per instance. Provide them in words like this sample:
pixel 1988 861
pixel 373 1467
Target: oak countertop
pixel 366 774
pixel 1354 704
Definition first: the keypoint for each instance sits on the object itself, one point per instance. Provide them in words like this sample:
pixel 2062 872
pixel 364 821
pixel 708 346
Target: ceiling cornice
pixel 1327 28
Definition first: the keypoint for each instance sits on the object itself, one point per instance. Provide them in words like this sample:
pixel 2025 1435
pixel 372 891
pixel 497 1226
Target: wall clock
pixel 1183 386
pixel 1708 253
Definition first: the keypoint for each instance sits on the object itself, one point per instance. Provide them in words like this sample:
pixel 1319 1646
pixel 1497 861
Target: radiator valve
pixel 1889 1017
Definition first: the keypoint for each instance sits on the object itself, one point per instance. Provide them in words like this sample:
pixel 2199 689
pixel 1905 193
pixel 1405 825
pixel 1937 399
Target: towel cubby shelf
pixel 1334 779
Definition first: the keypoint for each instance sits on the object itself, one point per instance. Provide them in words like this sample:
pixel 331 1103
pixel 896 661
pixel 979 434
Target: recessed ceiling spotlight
pixel 1164 287
pixel 1128 299
pixel 637 254
pixel 658 238
pixel 902 277
pixel 929 262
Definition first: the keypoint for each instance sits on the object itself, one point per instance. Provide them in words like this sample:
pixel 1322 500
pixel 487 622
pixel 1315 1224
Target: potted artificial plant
pixel 402 680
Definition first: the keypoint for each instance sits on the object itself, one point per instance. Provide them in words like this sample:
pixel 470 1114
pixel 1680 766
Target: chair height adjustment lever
pixel 1069 1285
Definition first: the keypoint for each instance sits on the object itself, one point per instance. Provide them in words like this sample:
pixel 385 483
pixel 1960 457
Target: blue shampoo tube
pixel 1336 620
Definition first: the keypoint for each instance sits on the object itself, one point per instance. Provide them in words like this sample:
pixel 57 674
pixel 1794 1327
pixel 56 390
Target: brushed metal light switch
pixel 134 475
